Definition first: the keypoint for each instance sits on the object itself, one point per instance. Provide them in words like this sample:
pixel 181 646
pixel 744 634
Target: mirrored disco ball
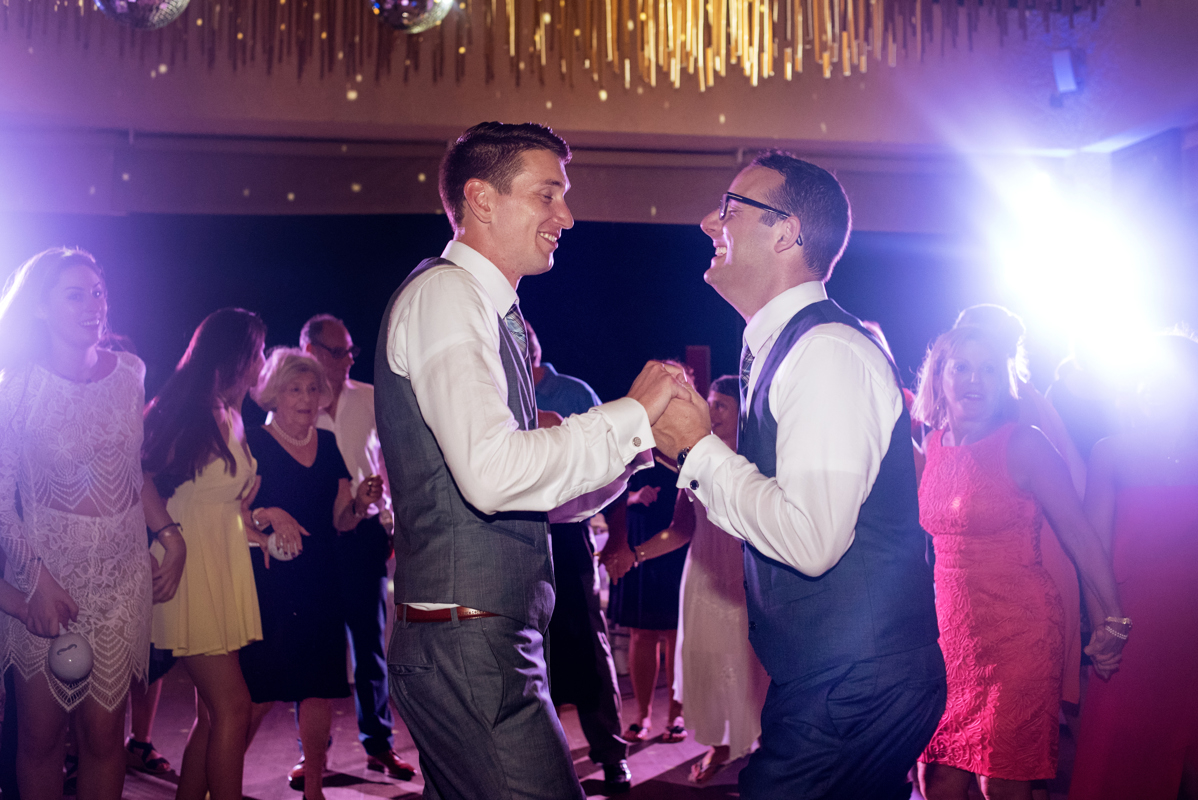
pixel 412 16
pixel 144 14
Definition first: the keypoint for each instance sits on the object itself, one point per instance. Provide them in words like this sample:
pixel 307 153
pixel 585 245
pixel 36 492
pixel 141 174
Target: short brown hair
pixel 813 196
pixel 492 152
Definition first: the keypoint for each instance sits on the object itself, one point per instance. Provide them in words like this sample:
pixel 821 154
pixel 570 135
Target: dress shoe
pixel 391 764
pixel 295 777
pixel 617 777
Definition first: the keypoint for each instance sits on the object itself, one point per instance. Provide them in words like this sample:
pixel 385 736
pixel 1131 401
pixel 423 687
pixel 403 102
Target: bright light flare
pixel 1080 269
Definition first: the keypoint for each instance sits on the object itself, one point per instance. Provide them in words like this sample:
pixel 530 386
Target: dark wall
pixel 618 295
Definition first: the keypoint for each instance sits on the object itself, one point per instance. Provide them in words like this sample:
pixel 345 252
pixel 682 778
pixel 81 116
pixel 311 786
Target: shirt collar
pixel 778 311
pixel 494 284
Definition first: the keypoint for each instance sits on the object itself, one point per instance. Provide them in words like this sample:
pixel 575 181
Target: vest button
pixel 746 583
pixel 694 485
pixel 752 625
pixel 636 441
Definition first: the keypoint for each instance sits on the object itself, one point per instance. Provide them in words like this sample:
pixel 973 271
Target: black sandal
pixel 142 756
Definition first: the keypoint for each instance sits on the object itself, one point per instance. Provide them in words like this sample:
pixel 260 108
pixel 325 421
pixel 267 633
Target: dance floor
pixel 659 770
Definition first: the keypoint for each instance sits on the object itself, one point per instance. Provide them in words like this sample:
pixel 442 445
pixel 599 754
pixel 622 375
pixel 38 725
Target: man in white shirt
pixel 822 490
pixel 474 480
pixel 362 554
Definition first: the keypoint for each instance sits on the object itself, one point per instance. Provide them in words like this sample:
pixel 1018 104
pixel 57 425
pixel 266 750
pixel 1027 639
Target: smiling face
pixel 724 416
pixel 743 269
pixel 527 222
pixel 298 403
pixel 977 383
pixel 76 308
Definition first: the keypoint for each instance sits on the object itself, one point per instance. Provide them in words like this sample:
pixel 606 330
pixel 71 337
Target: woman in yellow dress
pixel 195 447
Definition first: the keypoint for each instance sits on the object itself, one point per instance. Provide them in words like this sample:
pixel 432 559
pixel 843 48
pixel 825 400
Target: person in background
pixel 1008 331
pixel 644 597
pixel 717 677
pixel 301 656
pixel 74 506
pixel 582 671
pixel 362 557
pixel 989 487
pixel 1139 730
pixel 196 451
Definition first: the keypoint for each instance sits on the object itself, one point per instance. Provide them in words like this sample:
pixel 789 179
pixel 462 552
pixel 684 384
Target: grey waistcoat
pixel 447 551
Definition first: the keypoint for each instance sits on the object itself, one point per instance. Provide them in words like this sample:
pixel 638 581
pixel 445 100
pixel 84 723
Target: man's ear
pixel 787 234
pixel 480 199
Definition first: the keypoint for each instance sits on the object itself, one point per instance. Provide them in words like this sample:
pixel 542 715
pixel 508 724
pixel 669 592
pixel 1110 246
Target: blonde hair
pixel 283 365
pixel 1007 332
pixel 929 407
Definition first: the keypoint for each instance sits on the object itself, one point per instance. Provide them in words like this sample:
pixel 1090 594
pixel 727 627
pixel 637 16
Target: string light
pixel 613 42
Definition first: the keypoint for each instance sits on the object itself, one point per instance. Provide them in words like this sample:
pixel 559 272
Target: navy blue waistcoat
pixel 446 550
pixel 877 600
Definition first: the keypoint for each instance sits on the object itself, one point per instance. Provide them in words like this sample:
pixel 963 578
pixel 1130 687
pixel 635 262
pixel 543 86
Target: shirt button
pixel 636 441
pixel 694 485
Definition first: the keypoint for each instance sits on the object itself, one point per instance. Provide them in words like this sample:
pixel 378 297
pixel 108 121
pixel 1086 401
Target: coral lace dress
pixel 1001 623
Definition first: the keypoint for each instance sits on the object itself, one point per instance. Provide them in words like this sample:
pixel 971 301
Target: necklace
pixel 291 440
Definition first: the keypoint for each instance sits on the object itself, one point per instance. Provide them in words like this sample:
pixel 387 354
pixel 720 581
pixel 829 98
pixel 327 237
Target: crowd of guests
pixel 264 549
pixel 268 545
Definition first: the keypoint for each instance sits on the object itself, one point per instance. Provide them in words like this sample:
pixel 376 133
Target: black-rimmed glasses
pixel 339 353
pixel 740 198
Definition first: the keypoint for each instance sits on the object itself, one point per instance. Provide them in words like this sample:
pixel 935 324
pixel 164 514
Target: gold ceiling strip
pixel 638 38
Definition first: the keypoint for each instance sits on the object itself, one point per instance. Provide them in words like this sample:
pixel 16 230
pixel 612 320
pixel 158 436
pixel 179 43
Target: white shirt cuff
pixel 697 473
pixel 630 427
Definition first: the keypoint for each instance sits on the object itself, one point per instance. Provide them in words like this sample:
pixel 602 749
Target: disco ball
pixel 412 16
pixel 143 14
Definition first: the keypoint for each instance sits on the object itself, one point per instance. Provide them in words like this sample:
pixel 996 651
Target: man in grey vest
pixel 822 490
pixel 473 480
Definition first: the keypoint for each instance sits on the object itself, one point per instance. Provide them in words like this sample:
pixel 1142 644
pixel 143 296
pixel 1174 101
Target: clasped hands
pixel 678 415
pixel 1105 652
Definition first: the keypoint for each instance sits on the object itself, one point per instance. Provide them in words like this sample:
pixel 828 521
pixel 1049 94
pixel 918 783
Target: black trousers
pixel 362 570
pixel 581 668
pixel 849 733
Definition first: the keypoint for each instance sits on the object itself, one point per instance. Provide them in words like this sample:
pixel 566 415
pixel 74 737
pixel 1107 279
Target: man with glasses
pixel 822 490
pixel 363 553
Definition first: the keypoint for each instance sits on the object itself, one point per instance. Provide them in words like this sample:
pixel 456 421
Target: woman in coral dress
pixel 989 488
pixel 1139 730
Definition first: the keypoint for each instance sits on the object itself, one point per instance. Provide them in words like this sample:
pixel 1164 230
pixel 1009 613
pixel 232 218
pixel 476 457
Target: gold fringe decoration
pixel 614 41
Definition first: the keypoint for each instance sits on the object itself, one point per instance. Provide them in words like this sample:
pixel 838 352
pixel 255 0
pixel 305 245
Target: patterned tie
pixel 746 367
pixel 515 324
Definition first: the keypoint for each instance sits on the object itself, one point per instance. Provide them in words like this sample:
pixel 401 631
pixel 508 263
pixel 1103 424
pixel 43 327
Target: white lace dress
pixel 70 503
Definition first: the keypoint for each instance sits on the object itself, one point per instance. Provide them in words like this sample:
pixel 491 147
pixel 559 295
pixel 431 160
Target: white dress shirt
pixel 836 403
pixel 358 441
pixel 443 336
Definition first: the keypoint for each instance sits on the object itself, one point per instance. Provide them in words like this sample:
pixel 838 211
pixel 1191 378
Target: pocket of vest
pixel 512 533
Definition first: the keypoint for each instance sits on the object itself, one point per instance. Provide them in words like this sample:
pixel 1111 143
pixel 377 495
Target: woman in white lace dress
pixel 72 519
pixel 719 680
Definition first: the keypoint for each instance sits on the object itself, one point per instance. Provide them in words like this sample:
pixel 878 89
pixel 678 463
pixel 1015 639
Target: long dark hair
pixel 181 435
pixel 23 337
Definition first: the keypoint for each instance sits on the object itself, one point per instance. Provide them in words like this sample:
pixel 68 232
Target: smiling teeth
pixel 720 250
pixel 548 236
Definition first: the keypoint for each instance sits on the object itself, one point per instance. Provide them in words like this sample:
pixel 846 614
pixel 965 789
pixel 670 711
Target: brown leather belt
pixel 442 614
